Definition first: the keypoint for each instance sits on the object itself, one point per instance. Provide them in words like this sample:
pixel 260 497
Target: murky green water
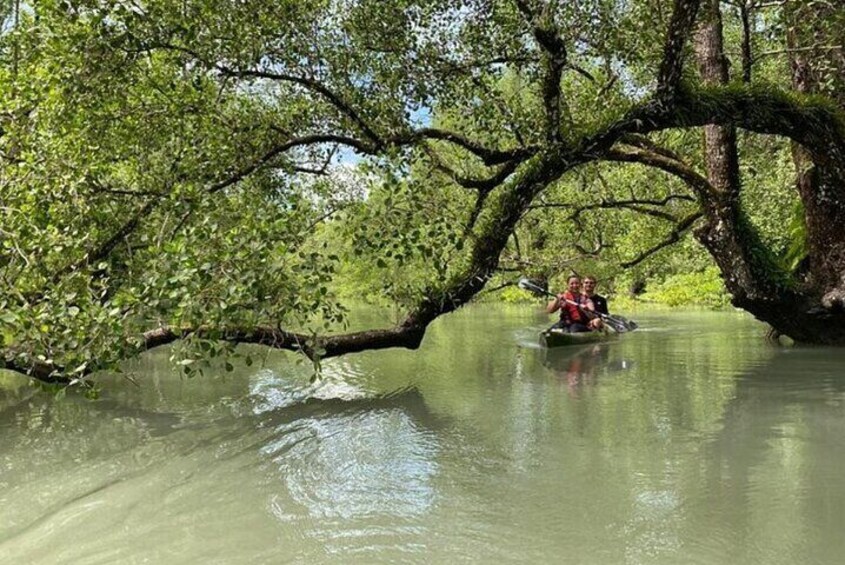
pixel 691 441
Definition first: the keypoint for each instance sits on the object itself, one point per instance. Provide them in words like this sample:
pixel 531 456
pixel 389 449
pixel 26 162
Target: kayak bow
pixel 561 338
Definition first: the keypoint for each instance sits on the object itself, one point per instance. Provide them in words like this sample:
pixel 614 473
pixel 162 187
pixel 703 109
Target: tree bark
pixel 721 203
pixel 821 186
pixel 811 312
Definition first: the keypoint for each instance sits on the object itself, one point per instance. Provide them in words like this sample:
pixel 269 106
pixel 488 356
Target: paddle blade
pixel 620 324
pixel 616 325
pixel 531 286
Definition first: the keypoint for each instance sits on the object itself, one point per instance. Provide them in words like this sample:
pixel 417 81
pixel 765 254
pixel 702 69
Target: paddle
pixel 618 323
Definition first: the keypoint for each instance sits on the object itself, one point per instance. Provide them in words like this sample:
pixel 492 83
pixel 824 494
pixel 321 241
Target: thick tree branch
pixel 697 182
pixel 375 143
pixel 483 185
pixel 492 237
pixel 746 14
pixel 408 334
pixel 38 370
pixel 487 155
pixel 311 84
pixel 333 98
pixel 815 124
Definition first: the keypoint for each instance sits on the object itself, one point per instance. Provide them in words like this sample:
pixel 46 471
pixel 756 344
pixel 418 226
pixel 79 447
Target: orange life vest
pixel 570 313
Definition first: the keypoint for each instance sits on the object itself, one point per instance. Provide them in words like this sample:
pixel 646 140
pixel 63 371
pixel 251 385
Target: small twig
pixel 673 237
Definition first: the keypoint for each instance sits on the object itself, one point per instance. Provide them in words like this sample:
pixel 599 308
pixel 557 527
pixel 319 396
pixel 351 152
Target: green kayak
pixel 560 338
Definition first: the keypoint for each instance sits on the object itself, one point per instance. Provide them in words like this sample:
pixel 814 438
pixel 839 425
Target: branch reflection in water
pixel 346 457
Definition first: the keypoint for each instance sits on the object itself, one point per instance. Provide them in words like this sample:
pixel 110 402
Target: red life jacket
pixel 570 313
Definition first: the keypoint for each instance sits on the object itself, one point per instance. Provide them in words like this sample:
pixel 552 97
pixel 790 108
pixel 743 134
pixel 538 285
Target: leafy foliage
pixel 703 287
pixel 214 166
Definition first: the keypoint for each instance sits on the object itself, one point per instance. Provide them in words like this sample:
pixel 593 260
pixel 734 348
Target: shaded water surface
pixel 691 441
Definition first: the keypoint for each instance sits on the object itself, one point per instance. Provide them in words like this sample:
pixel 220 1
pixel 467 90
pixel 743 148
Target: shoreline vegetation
pixel 703 289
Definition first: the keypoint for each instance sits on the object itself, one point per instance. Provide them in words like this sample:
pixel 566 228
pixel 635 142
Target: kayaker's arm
pixel 554 305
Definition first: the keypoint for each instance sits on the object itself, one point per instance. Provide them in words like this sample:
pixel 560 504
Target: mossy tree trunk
pixel 821 184
pixel 806 308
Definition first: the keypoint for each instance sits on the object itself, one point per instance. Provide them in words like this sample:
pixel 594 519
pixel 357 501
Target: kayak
pixel 561 338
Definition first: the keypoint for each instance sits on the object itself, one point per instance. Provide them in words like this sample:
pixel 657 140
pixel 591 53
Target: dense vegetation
pixel 217 173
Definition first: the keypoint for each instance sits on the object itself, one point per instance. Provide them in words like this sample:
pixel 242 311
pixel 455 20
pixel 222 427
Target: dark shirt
pixel 600 302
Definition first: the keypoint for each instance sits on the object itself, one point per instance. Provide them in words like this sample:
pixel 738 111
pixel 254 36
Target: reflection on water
pixel 579 367
pixel 342 453
pixel 689 441
pixel 342 467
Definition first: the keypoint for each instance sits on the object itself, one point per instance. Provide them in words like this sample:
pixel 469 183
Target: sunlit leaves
pixel 405 240
pixel 159 162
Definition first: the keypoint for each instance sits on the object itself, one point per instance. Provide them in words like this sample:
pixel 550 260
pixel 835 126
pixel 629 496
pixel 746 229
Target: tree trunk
pixel 821 186
pixel 811 312
pixel 720 235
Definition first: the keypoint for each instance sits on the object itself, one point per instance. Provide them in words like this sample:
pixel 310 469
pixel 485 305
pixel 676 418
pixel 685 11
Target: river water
pixel 689 441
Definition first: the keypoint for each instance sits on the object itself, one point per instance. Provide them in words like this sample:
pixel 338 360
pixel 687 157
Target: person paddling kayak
pixel 574 308
pixel 599 301
pixel 617 323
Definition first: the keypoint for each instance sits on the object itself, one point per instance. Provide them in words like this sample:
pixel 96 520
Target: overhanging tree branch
pixel 697 182
pixel 815 124
pixel 673 106
pixel 485 184
pixel 38 370
pixel 487 155
pixel 311 84
pixel 375 142
pixel 104 249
